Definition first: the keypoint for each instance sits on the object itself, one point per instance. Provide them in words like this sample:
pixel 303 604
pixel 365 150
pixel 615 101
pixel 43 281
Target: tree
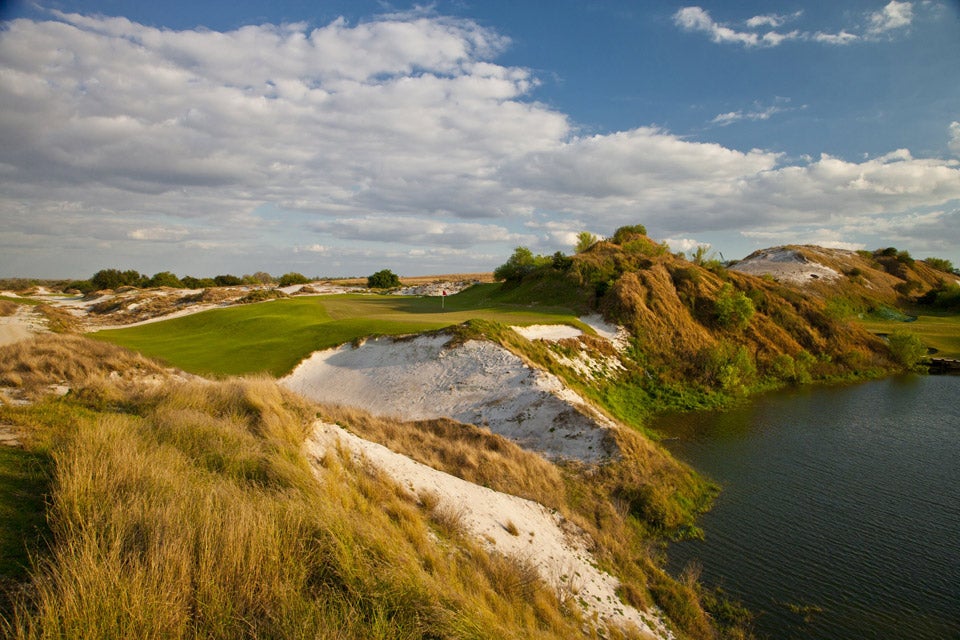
pixel 260 277
pixel 940 263
pixel 383 279
pixel 585 240
pixel 293 277
pixel 519 265
pixel 197 283
pixel 165 279
pixel 227 280
pixel 907 349
pixel 114 279
pixel 623 234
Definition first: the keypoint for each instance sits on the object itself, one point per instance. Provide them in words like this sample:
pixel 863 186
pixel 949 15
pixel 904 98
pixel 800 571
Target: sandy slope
pixel 543 538
pixel 785 265
pixel 479 382
pixel 20 326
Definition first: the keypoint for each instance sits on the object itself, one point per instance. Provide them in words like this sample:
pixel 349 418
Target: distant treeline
pixel 115 278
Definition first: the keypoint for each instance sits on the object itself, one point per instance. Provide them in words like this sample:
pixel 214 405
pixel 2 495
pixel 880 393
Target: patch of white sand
pixel 543 538
pixel 23 324
pixel 550 332
pixel 785 265
pixel 478 382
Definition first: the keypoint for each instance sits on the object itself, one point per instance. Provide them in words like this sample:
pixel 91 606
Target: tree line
pixel 116 278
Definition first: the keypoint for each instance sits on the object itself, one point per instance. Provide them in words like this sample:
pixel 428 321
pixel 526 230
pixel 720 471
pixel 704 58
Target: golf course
pixel 274 336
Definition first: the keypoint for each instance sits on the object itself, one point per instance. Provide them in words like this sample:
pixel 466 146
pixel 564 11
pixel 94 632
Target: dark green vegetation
pixel 23 486
pixel 383 279
pixel 115 278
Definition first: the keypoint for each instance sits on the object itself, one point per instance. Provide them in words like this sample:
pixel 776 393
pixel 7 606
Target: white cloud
pixel 895 15
pixel 842 38
pixel 759 112
pixel 161 234
pixel 271 147
pixel 954 132
pixel 698 19
pixel 772 20
pixel 685 244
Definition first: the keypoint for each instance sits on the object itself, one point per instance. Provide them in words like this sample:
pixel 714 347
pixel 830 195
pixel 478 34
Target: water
pixel 845 500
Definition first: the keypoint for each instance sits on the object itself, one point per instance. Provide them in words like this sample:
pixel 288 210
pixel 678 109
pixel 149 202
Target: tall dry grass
pixel 189 510
pixel 469 452
pixel 30 366
pixel 8 308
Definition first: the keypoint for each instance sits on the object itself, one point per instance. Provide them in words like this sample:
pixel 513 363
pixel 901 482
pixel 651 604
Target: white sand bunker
pixel 478 382
pixel 550 332
pixel 540 537
pixel 785 265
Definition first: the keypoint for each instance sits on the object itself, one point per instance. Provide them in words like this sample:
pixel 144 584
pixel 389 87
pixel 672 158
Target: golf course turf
pixel 273 337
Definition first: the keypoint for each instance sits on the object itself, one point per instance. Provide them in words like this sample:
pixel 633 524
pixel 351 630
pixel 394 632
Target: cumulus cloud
pixel 698 19
pixel 954 132
pixel 894 16
pixel 347 145
pixel 685 244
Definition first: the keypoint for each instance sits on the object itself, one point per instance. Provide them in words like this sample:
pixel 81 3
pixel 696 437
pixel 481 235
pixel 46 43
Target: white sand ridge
pixel 482 383
pixel 478 382
pixel 505 524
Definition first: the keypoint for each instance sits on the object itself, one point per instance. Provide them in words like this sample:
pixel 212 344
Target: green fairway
pixel 937 330
pixel 274 336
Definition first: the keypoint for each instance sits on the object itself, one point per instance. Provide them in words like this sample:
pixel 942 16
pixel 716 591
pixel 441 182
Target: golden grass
pixel 189 510
pixel 464 450
pixel 31 366
pixel 59 320
pixel 8 308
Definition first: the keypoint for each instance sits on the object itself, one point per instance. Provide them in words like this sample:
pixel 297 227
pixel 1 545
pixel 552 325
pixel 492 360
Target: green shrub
pixel 907 349
pixel 519 265
pixel 941 264
pixel 165 279
pixel 623 234
pixel 383 279
pixel 733 308
pixel 114 279
pixel 585 240
pixel 293 277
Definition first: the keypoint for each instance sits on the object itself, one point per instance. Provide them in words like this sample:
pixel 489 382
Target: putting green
pixel 275 336
pixel 937 330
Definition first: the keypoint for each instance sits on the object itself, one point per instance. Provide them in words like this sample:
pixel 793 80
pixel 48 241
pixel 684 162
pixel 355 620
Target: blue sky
pixel 339 138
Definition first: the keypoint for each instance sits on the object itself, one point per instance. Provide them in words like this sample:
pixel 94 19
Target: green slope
pixel 273 337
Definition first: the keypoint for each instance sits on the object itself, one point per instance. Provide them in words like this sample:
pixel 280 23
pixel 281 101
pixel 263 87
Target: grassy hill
pixel 183 509
pixel 273 337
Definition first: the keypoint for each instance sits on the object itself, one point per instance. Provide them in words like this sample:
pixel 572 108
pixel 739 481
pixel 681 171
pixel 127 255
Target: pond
pixel 840 511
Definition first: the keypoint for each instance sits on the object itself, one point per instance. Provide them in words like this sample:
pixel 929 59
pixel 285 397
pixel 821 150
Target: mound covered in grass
pixel 188 509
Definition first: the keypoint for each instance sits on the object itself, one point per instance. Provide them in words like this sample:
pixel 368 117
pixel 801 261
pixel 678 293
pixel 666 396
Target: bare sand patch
pixel 549 332
pixel 785 265
pixel 506 524
pixel 23 324
pixel 478 382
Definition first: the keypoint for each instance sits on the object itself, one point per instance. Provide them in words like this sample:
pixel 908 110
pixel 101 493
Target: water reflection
pixel 843 501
